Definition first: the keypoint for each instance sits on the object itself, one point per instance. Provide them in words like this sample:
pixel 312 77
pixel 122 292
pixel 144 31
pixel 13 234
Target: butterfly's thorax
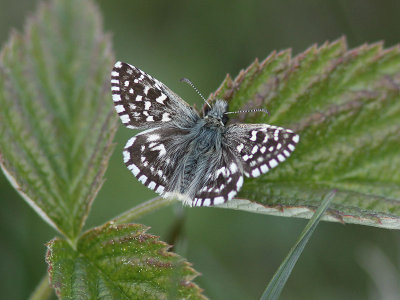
pixel 206 144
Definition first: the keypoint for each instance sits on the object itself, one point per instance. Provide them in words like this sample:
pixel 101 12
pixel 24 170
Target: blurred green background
pixel 236 252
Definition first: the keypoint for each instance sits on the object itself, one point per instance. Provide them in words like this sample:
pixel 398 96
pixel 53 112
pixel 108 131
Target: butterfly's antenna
pixel 247 111
pixel 197 91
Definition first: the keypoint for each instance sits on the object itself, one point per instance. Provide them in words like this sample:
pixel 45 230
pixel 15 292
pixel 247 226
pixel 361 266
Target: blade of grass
pixel 277 283
pixel 43 291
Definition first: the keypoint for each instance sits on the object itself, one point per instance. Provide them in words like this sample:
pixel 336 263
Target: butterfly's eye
pixel 206 109
pixel 225 119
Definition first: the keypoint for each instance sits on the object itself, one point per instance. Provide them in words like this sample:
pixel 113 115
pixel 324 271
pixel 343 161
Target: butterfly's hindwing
pixel 221 182
pixel 261 147
pixel 152 156
pixel 158 158
pixel 142 101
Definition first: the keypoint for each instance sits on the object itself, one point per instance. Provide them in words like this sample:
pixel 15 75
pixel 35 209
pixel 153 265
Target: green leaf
pixel 119 262
pixel 281 276
pixel 345 104
pixel 56 117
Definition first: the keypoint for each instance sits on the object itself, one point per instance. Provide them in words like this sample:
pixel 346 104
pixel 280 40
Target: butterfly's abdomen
pixel 204 146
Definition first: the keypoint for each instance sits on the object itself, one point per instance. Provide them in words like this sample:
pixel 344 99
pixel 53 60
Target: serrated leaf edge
pixel 140 230
pixel 17 187
pixel 15 37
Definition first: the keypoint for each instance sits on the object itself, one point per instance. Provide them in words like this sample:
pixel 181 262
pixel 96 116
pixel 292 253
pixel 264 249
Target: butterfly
pixel 200 160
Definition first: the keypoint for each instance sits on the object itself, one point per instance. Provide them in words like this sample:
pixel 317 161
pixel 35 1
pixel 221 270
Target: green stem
pixel 43 290
pixel 143 209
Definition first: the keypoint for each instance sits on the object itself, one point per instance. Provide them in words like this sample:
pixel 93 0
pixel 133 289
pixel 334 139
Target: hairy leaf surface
pixel 56 118
pixel 345 104
pixel 119 262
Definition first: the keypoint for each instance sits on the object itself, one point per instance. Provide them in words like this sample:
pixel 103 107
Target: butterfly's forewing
pixel 142 101
pixel 261 147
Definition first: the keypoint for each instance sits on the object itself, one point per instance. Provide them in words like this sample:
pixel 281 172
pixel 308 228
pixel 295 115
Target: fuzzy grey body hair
pixel 202 149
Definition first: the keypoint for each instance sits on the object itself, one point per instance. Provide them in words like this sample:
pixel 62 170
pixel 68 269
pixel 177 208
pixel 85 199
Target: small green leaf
pixel 56 117
pixel 345 104
pixel 119 262
pixel 277 283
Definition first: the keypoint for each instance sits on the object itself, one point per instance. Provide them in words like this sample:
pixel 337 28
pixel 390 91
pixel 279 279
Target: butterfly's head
pixel 215 115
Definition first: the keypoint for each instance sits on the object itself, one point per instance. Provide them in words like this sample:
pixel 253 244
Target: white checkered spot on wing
pixel 142 101
pixel 261 147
